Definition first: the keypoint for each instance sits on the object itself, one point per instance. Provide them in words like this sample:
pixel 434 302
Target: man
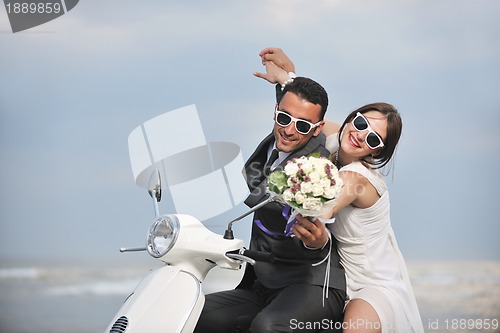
pixel 286 295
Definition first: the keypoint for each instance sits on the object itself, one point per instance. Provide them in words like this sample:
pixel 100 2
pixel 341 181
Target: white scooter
pixel 170 298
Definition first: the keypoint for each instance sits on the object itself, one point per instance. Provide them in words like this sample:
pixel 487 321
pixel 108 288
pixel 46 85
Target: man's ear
pixel 318 129
pixel 276 106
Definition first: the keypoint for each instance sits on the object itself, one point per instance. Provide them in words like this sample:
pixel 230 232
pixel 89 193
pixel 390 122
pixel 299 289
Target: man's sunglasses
pixel 302 126
pixel 373 140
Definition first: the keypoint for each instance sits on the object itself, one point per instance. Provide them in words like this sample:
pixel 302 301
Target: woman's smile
pixel 354 141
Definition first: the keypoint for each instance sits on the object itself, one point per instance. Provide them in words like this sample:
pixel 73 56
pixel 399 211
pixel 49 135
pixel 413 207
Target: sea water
pixel 84 297
pixel 76 297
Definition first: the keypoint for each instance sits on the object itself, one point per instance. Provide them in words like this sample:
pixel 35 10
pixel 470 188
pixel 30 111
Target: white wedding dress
pixel 375 269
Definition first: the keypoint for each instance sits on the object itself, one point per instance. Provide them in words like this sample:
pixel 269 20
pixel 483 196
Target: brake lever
pixel 241 257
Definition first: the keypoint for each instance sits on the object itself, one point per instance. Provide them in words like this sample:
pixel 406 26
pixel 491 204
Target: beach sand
pixel 457 296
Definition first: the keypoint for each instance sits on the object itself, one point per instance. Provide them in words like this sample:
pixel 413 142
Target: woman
pixel 380 294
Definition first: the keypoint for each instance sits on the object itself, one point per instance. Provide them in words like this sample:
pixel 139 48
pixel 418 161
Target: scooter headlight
pixel 162 235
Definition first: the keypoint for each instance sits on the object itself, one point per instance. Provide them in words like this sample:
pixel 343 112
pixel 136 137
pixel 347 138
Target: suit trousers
pixel 295 308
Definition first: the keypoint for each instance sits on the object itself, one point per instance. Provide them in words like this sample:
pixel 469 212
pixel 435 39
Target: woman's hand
pixel 279 57
pixel 274 74
pixel 313 234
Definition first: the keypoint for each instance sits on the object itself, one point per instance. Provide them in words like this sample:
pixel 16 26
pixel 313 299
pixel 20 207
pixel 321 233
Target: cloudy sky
pixel 73 89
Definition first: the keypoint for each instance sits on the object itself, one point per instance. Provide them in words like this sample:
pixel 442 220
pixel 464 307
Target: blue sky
pixel 73 89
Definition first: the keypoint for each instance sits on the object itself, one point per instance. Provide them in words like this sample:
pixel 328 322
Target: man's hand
pixel 312 234
pixel 279 57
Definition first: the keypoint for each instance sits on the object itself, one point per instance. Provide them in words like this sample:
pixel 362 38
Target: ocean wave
pixel 97 288
pixel 454 273
pixel 19 273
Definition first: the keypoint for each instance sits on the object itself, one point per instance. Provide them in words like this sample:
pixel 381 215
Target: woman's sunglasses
pixel 302 126
pixel 373 140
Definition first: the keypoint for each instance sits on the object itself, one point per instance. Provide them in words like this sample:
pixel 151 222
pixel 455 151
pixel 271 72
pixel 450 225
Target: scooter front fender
pixel 166 300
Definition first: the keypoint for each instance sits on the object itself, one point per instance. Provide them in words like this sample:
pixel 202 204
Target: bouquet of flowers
pixel 309 184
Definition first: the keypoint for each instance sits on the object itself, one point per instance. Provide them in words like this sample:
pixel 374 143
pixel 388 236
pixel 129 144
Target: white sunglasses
pixel 301 126
pixel 373 140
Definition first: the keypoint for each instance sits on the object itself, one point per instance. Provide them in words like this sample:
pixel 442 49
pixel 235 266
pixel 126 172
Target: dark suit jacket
pixel 293 261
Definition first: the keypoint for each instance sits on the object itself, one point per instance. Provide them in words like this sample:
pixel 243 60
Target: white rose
pixel 299 197
pixel 330 192
pixel 306 187
pixel 317 190
pixel 291 169
pixel 334 172
pixel 325 182
pixel 306 166
pixel 321 162
pixel 288 195
pixel 312 204
pixel 333 191
pixel 321 170
pixel 314 177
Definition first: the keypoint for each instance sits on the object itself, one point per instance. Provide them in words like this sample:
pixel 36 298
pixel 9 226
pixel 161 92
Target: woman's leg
pixel 360 316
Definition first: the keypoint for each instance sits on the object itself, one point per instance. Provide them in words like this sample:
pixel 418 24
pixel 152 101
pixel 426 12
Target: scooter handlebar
pixel 259 256
pixel 255 255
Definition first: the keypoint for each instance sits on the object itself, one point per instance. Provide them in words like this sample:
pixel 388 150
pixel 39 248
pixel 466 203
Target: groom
pixel 287 294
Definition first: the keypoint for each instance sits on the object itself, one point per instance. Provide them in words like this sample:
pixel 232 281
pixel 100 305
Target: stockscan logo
pixel 28 14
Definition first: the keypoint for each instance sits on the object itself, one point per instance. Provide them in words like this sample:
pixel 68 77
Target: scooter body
pixel 170 298
pixel 157 306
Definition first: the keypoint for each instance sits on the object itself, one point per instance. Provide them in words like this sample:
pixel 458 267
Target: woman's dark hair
pixel 394 129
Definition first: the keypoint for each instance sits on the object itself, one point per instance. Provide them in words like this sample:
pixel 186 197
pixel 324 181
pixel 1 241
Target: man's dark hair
pixel 307 89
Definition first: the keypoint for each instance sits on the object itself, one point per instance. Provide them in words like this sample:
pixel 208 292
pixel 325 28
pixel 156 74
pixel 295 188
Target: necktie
pixel 270 161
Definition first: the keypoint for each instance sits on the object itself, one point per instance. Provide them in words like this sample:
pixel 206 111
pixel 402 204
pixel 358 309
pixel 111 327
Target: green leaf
pixel 273 188
pixel 276 181
pixel 316 154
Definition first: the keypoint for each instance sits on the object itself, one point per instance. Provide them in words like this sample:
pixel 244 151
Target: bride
pixel 381 298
